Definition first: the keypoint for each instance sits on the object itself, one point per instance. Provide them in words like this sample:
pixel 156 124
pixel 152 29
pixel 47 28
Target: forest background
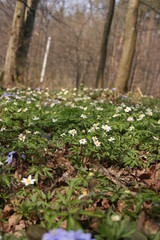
pixel 76 30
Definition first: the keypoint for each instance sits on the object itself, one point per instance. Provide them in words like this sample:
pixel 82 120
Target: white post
pixel 45 59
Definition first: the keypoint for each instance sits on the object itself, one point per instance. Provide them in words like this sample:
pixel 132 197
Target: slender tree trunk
pixel 103 51
pixel 129 47
pixel 77 69
pixel 9 77
pixel 23 50
pixel 113 59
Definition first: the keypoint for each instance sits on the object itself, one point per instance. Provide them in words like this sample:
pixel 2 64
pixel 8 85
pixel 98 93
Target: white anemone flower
pixel 115 217
pixel 2 129
pixel 28 181
pixel 25 109
pixel 27 131
pixel 36 132
pixel 130 119
pixel 127 109
pixel 72 132
pixel 21 137
pixel 83 116
pixel 97 143
pixel 131 128
pixel 155 138
pixel 99 108
pixel 149 112
pixel 83 141
pixel 54 120
pixel 115 115
pixel 94 139
pixel 141 116
pixel 111 139
pixel 106 128
pixel 36 118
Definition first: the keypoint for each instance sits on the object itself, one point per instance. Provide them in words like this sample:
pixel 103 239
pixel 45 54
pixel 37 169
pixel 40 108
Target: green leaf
pixel 72 224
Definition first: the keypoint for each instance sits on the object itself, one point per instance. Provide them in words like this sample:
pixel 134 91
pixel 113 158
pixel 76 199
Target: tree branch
pixel 149 6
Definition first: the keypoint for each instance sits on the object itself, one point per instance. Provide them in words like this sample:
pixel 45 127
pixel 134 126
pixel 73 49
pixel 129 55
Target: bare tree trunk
pixel 77 68
pixel 27 35
pixel 129 47
pixel 15 36
pixel 103 51
pixel 113 59
pixel 132 72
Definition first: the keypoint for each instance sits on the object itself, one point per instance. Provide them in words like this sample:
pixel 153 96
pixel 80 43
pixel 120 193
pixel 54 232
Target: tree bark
pixel 23 50
pixel 103 51
pixel 9 77
pixel 129 47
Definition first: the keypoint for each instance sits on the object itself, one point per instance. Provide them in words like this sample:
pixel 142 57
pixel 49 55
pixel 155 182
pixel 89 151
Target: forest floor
pixel 88 160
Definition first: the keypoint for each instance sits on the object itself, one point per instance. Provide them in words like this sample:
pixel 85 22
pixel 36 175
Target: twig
pixel 149 6
pixel 139 90
pixel 112 178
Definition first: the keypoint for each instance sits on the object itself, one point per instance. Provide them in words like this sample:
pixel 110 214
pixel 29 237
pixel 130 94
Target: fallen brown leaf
pixel 120 206
pixel 102 203
pixel 150 227
pixel 105 203
pixel 7 208
pixel 141 220
pixel 20 226
pixel 13 220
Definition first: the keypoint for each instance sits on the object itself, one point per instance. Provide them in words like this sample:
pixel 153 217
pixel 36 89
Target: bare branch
pixel 149 6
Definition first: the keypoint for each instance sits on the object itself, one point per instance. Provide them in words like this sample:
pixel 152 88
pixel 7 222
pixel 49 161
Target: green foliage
pixel 115 230
pixel 58 141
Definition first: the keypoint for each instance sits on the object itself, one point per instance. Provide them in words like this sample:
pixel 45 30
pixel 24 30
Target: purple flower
pixel 124 96
pixel 79 235
pixel 10 157
pixel 7 95
pixel 11 153
pixel 61 234
pixel 56 234
pixel 113 89
pixel 38 89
